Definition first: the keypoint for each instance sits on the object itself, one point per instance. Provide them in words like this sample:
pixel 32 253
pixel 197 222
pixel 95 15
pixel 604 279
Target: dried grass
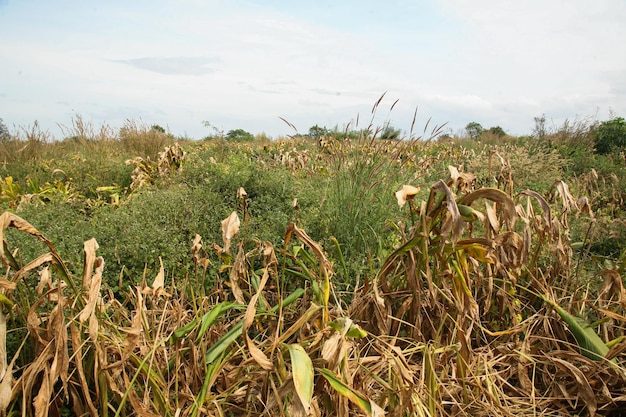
pixel 461 319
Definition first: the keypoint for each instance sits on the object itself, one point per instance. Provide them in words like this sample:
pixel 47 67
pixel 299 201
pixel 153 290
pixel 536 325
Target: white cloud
pixel 242 64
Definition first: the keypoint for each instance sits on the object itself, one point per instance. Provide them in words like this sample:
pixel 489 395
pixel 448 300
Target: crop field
pixel 339 273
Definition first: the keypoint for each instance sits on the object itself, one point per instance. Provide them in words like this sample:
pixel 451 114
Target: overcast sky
pixel 243 64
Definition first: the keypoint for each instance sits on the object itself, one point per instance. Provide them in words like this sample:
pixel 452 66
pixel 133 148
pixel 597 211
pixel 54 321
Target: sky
pixel 250 64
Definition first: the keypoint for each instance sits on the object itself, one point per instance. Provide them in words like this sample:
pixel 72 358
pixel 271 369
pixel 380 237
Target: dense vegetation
pixel 335 273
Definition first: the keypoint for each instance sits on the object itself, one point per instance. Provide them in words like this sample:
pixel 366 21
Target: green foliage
pixel 474 130
pixel 390 133
pixel 497 131
pixel 4 131
pixel 610 136
pixel 239 135
pixel 316 132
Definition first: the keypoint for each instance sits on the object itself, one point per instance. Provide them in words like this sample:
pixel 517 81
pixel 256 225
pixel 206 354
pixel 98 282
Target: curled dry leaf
pixel 408 192
pixel 256 353
pixel 239 273
pixel 89 248
pixel 94 290
pixel 159 280
pixel 453 224
pixel 7 220
pixel 462 181
pixel 230 227
pixel 495 195
pixel 196 247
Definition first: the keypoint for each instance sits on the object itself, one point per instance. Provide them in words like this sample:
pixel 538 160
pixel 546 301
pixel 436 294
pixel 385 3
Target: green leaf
pixel 223 343
pixel 302 369
pixel 588 340
pixel 346 391
pixel 211 316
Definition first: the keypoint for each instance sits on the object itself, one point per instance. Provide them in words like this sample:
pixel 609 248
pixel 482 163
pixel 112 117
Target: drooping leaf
pixel 588 340
pixel 257 354
pixel 230 227
pixel 509 214
pixel 408 192
pixel 354 397
pixel 302 372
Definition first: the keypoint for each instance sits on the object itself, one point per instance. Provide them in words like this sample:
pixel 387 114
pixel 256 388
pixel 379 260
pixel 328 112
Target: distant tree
pixel 158 128
pixel 610 135
pixel 390 132
pixel 474 130
pixel 540 127
pixel 497 131
pixel 4 131
pixel 239 135
pixel 316 132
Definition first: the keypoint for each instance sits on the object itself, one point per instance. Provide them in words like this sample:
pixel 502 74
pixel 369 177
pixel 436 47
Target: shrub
pixel 610 135
pixel 497 131
pixel 239 135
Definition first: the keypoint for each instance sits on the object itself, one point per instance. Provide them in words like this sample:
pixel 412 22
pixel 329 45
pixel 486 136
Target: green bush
pixel 610 136
pixel 239 135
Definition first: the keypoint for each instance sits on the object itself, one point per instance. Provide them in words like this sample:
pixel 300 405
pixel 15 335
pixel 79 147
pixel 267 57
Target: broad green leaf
pixel 588 340
pixel 221 345
pixel 211 317
pixel 302 369
pixel 224 342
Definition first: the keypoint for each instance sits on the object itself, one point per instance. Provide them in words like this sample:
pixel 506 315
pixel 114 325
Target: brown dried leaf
pixel 230 227
pixel 158 285
pixel 93 285
pixel 584 206
pixel 89 248
pixel 6 388
pixel 256 353
pixel 5 284
pixel 492 216
pixel 325 264
pixel 463 182
pixel 408 192
pixel 509 215
pixel 59 368
pixel 3 345
pixel 7 220
pixel 42 400
pixel 134 331
pixel 45 280
pixel 567 199
pixel 34 264
pixel 77 344
pixel 196 247
pixel 453 224
pixel 584 390
pixel 547 213
pixel 239 272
